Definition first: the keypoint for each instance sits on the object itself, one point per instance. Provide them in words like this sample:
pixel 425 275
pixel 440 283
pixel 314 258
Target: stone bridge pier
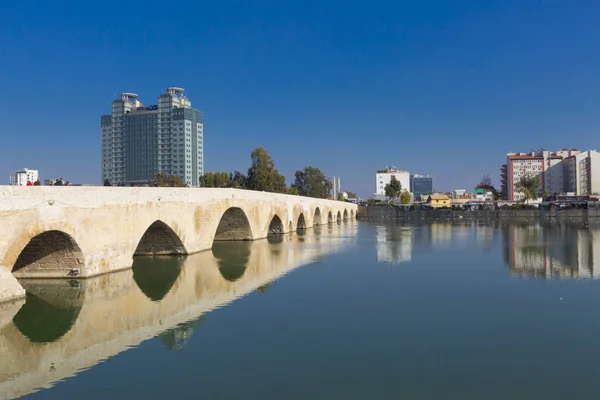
pixel 61 232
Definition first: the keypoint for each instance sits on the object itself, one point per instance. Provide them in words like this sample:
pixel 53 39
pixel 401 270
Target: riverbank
pixel 391 212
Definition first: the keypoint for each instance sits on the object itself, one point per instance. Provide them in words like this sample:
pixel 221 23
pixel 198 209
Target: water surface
pixel 355 311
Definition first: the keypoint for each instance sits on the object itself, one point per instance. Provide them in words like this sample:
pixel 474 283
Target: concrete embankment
pixel 396 213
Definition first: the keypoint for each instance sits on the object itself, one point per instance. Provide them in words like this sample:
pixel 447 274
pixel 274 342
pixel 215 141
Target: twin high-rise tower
pixel 140 141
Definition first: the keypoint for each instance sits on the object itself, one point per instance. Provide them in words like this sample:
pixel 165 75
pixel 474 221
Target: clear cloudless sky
pixel 435 87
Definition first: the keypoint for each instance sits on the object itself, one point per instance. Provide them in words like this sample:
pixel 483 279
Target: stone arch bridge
pixel 61 232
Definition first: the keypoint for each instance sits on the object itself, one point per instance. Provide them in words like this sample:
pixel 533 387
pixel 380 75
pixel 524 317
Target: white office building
pixel 20 177
pixel 140 141
pixel 383 177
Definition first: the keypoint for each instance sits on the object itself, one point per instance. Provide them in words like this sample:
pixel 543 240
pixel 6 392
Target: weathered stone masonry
pixel 57 232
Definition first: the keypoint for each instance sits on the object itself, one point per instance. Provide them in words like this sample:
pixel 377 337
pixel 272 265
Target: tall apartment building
pixel 546 164
pixel 20 177
pixel 421 184
pixel 383 177
pixel 582 173
pixel 140 141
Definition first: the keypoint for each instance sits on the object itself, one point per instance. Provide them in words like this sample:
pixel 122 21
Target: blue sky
pixel 439 87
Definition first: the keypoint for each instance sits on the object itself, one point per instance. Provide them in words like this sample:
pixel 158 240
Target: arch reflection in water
pixel 275 238
pixel 50 310
pixel 232 258
pixel 155 276
pixel 110 313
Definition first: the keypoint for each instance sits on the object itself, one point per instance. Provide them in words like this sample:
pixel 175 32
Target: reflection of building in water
pixel 485 236
pixel 552 251
pixel 441 233
pixel 394 244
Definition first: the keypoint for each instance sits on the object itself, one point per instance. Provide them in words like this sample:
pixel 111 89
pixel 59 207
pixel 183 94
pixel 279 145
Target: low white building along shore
pixel 20 177
pixel 383 177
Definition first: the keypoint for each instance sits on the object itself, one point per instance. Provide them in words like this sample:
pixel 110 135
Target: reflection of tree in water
pixel 155 276
pixel 50 310
pixel 232 258
pixel 175 338
pixel 264 288
pixel 301 234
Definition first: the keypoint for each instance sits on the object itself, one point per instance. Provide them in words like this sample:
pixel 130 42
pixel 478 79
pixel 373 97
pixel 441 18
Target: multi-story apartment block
pixel 582 173
pixel 20 177
pixel 139 141
pixel 549 166
pixel 383 177
pixel 421 184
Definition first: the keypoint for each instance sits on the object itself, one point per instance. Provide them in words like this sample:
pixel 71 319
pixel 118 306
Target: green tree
pixel 351 195
pixel 393 189
pixel 215 179
pixel 165 180
pixel 312 182
pixel 238 180
pixel 293 191
pixel 262 174
pixel 545 194
pixel 486 184
pixel 529 186
pixel 405 197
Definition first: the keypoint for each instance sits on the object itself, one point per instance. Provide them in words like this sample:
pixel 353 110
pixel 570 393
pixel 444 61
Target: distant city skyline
pixel 440 88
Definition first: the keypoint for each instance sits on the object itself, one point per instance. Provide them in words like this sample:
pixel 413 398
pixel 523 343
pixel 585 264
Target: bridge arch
pixel 159 239
pixel 233 225
pixel 339 217
pixel 275 226
pixel 301 224
pixel 352 214
pixel 51 252
pixel 345 214
pixel 317 217
pixel 329 217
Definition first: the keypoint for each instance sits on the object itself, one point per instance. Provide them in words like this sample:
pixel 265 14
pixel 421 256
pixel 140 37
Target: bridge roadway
pixel 111 313
pixel 60 232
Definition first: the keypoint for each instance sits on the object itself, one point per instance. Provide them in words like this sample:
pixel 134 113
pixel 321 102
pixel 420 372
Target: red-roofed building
pixel 543 163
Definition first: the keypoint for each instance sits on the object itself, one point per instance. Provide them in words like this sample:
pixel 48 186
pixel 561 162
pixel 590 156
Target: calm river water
pixel 353 311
